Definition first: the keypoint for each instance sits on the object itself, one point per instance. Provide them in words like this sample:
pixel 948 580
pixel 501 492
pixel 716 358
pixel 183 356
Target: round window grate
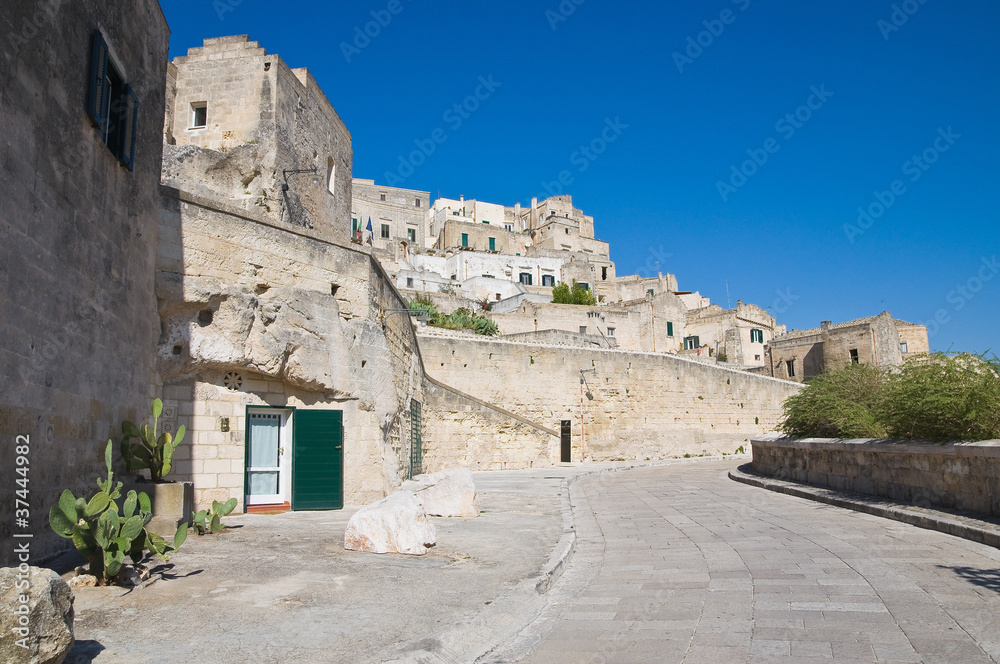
pixel 233 381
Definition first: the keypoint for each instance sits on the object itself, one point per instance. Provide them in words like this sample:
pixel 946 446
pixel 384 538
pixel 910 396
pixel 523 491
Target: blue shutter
pixel 129 130
pixel 97 100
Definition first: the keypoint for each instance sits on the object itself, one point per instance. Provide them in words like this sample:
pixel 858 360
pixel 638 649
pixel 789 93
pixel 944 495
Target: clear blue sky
pixel 787 237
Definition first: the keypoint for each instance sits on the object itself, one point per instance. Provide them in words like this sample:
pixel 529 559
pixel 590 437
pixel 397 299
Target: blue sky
pixel 723 141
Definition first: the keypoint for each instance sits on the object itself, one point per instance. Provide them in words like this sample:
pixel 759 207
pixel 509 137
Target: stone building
pixel 800 355
pixel 81 104
pixel 737 335
pixel 260 134
pixel 398 218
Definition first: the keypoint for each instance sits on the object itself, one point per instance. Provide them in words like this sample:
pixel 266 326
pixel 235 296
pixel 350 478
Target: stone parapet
pixel 958 476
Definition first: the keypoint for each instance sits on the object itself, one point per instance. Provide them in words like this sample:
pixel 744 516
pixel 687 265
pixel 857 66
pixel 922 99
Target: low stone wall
pixel 960 476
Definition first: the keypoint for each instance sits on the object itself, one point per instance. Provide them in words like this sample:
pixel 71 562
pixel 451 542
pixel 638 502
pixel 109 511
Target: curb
pixel 977 530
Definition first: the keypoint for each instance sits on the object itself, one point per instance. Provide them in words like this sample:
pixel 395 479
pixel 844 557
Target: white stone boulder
pixel 450 492
pixel 397 524
pixel 36 616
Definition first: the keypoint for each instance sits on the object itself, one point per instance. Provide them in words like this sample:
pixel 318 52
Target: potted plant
pixel 145 448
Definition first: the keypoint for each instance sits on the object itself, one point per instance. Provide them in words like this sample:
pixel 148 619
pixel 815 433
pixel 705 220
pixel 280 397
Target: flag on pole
pixel 371 235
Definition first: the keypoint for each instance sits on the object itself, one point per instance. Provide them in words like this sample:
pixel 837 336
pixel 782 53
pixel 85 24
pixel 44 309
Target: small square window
pixel 417 202
pixel 583 329
pixel 381 197
pixel 611 331
pixel 199 115
pixel 756 357
pixel 409 282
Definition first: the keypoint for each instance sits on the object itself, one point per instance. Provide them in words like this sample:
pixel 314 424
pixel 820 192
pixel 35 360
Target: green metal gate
pixel 318 460
pixel 416 440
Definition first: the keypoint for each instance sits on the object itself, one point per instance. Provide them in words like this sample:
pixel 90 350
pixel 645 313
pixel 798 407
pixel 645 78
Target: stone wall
pixel 460 430
pixel 300 320
pixel 399 211
pixel 263 118
pixel 77 308
pixel 961 476
pixel 645 405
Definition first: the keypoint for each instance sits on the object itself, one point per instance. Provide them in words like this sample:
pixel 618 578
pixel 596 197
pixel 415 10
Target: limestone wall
pixel 399 211
pixel 77 309
pixel 645 405
pixel 300 321
pixel 462 431
pixel 961 476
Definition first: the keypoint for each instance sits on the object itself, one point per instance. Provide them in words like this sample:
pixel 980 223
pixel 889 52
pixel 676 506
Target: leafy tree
pixel 563 293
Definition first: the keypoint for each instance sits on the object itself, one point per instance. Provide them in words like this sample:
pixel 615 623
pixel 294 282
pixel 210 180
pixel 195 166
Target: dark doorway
pixel 567 441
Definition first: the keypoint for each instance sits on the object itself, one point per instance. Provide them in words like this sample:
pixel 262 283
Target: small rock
pixel 43 623
pixel 397 524
pixel 450 492
pixel 83 581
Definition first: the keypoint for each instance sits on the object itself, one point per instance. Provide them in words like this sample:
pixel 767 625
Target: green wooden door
pixel 318 460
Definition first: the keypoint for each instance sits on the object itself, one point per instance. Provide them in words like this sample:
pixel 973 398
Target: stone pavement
pixel 681 564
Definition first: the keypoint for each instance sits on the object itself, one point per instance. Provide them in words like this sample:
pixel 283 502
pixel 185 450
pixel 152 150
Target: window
pixel 493 244
pixel 583 329
pixel 499 297
pixel 611 331
pixel 112 104
pixel 509 227
pixel 854 356
pixel 486 222
pixel 691 343
pixel 384 231
pixel 331 176
pixel 416 202
pixel 649 291
pixel 585 287
pixel 790 368
pixel 903 348
pixel 411 234
pixel 604 273
pixel 756 357
pixel 381 197
pixel 525 278
pixel 465 240
pixel 355 228
pixel 199 115
pixel 548 280
pixel 670 329
pixel 409 282
pixel 756 336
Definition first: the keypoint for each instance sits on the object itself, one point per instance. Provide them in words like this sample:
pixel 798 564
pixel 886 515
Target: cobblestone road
pixel 681 564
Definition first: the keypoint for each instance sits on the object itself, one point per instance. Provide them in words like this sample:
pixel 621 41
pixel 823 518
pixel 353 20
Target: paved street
pixel 681 564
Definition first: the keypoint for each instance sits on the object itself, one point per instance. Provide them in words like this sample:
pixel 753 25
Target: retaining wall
pixel 960 476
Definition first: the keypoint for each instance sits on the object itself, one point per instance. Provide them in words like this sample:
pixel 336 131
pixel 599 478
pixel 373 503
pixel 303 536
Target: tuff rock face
pixel 44 624
pixel 397 524
pixel 450 492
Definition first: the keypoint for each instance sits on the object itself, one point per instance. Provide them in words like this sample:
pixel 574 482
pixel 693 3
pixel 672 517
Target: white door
pixel 266 468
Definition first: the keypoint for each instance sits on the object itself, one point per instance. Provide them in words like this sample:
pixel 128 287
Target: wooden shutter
pixel 97 100
pixel 130 122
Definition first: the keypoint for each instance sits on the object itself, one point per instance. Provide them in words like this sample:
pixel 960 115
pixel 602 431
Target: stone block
pixel 46 621
pixel 450 492
pixel 396 524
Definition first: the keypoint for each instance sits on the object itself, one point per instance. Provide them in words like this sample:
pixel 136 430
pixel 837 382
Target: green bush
pixel 931 397
pixel 563 293
pixel 837 404
pixel 940 399
pixel 460 319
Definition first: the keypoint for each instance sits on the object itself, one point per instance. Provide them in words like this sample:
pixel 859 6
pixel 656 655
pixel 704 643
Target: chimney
pixel 825 325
